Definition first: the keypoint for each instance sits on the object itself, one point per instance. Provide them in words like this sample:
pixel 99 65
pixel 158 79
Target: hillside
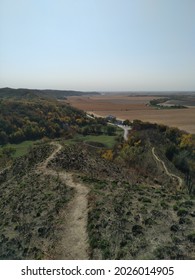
pixel 137 194
pixel 22 120
pixel 37 93
pixel 65 196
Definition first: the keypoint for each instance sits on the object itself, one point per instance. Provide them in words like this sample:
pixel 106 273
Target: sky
pixel 98 45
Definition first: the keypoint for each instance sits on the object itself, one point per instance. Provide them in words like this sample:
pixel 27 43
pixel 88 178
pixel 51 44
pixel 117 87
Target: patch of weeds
pixel 121 254
pixel 93 241
pixel 128 236
pixel 175 239
pixel 127 185
pixel 104 223
pixel 100 185
pixel 137 230
pixel 169 252
pixel 104 245
pixel 187 204
pixel 106 254
pixel 123 243
pixel 114 184
pixel 158 191
pixel 142 186
pixel 143 243
pixel 128 213
pixel 95 214
pixel 174 228
pixel 191 237
pixel 145 199
pixel 175 207
pixel 149 222
pixel 99 203
pixel 164 205
pixel 141 193
pixel 98 192
pixel 176 197
pixel 182 212
pixel 156 213
pixel 184 220
pixel 192 214
pixel 143 210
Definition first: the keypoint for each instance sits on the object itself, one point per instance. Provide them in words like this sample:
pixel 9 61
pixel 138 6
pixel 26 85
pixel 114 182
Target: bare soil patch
pixel 73 244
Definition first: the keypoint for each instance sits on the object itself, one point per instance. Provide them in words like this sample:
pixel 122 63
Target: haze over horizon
pixel 98 45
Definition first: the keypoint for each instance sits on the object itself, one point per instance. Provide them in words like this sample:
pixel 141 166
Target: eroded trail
pixel 179 179
pixel 74 242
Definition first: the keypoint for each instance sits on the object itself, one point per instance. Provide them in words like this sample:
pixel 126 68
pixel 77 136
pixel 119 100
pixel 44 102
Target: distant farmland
pixel 136 107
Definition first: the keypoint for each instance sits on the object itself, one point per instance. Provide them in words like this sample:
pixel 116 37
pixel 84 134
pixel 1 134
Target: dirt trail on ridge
pixel 74 242
pixel 179 179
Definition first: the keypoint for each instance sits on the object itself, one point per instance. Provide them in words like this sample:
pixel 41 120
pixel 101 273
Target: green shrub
pixel 187 204
pixel 137 230
pixel 164 205
pixel 175 207
pixel 174 228
pixel 191 237
pixel 182 212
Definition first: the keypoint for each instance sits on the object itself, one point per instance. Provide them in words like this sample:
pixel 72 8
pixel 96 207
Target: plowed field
pixel 135 107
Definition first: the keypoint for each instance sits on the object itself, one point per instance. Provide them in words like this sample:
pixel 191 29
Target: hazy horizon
pixel 137 92
pixel 98 45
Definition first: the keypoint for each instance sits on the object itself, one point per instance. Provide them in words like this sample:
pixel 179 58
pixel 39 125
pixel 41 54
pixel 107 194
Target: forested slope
pixel 34 119
pixel 37 93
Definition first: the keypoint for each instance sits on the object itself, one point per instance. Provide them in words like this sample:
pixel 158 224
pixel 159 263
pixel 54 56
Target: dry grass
pixel 135 107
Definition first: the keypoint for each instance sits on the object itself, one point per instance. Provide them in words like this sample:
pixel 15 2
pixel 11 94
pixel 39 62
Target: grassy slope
pixel 139 222
pixel 30 205
pixel 127 220
pixel 145 217
pixel 108 140
pixel 20 149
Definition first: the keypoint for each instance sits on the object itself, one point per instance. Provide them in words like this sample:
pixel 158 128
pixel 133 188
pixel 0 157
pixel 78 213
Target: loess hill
pixel 137 208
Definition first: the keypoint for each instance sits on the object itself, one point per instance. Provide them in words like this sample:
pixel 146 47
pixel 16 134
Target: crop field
pixel 136 107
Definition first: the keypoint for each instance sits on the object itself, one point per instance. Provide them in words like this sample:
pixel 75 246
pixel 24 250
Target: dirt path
pixel 74 242
pixel 126 131
pixel 3 170
pixel 179 179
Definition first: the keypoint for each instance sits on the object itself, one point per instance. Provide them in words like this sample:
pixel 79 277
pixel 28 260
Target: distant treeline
pixel 37 93
pixel 159 104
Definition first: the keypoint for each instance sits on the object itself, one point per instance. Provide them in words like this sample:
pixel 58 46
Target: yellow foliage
pixel 186 141
pixel 79 120
pixel 108 155
pixel 137 143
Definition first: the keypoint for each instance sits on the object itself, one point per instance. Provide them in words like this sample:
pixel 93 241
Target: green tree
pixel 3 138
pixel 111 130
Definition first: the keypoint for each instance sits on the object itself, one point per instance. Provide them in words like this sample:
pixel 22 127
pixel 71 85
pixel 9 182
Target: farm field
pixel 135 107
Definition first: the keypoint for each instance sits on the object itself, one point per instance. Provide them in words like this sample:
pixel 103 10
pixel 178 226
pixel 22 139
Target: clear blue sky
pixel 98 44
